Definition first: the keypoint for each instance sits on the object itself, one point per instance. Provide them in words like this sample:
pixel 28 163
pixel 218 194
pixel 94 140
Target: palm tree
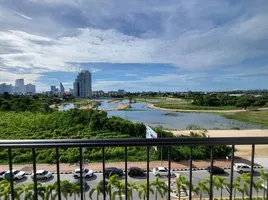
pixel 74 190
pixel 264 179
pixel 99 189
pixel 181 184
pixel 143 190
pixel 243 181
pixel 236 186
pixel 5 188
pixel 132 186
pixel 160 187
pixel 220 183
pixel 257 186
pixel 203 187
pixel 48 191
pixel 112 181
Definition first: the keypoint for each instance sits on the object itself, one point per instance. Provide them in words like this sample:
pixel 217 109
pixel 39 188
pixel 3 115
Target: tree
pixel 243 181
pixel 99 189
pixel 264 179
pixel 132 186
pixel 203 188
pixel 143 190
pixel 112 181
pixel 219 183
pixel 160 187
pixel 181 185
pixel 257 186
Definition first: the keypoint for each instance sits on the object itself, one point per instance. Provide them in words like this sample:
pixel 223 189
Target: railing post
pixel 232 173
pixel 148 181
pixel 126 185
pixel 191 172
pixel 103 174
pixel 169 167
pixel 211 174
pixel 81 172
pixel 11 173
pixel 34 172
pixel 251 171
pixel 58 173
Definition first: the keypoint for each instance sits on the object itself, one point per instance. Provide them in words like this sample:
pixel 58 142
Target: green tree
pixel 264 180
pixel 99 189
pixel 143 190
pixel 160 187
pixel 220 183
pixel 203 188
pixel 243 181
pixel 181 185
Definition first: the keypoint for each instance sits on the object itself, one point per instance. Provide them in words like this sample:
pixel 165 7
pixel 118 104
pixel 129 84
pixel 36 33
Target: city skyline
pixel 151 45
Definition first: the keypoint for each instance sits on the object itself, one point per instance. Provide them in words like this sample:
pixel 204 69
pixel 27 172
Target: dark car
pixel 112 171
pixel 135 171
pixel 215 170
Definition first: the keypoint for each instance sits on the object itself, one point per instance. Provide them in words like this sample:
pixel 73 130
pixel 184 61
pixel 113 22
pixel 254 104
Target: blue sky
pixel 136 45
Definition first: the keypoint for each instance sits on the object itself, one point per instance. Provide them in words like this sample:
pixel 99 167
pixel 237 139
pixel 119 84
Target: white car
pixel 242 167
pixel 42 174
pixel 17 174
pixel 161 171
pixel 86 173
pixel 2 173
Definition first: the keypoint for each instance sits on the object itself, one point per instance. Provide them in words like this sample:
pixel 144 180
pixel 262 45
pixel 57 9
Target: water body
pixel 171 120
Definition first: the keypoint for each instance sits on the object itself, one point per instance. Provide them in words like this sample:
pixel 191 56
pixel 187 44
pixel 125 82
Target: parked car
pixel 242 167
pixel 78 182
pixel 136 171
pixel 42 174
pixel 215 170
pixel 112 171
pixel 2 173
pixel 161 171
pixel 17 175
pixel 86 173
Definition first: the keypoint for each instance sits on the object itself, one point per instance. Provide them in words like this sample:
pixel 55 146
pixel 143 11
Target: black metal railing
pixel 104 143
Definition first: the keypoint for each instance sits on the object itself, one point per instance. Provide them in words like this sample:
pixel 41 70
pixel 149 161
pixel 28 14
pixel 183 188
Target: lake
pixel 169 120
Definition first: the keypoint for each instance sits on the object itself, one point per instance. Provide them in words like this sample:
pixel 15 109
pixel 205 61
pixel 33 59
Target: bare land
pixel 243 151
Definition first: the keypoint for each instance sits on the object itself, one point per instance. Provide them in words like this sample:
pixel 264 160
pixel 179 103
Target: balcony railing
pixel 148 143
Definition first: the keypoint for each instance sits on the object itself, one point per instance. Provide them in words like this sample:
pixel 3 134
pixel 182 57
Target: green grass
pixel 257 117
pixel 185 104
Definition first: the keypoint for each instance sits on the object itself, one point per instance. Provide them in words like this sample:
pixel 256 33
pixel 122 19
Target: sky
pixel 136 45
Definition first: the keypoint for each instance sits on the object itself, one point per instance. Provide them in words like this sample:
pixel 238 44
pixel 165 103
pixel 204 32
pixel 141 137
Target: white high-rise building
pixel 5 88
pixel 19 86
pixel 30 89
pixel 62 89
pixel 82 85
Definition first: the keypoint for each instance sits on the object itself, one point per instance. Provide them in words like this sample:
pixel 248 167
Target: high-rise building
pixel 53 89
pixel 82 85
pixel 19 86
pixel 62 90
pixel 5 88
pixel 30 89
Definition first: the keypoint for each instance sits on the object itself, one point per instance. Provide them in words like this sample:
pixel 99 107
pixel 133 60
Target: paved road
pixel 197 175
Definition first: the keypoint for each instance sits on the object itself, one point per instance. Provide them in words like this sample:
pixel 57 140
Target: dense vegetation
pixel 26 118
pixel 257 117
pixel 243 101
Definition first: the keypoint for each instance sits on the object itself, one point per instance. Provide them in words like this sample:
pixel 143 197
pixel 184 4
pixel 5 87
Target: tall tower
pixel 19 85
pixel 82 85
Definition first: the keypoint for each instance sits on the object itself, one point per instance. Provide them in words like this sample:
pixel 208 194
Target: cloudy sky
pixel 136 45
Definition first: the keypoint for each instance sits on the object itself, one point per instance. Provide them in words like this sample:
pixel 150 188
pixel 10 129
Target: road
pixel 197 175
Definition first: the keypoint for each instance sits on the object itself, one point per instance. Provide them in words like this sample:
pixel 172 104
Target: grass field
pixel 257 117
pixel 185 104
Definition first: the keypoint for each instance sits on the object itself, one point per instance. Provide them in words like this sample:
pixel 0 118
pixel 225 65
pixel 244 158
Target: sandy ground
pixel 243 151
pixel 121 106
pixel 200 111
pixel 89 106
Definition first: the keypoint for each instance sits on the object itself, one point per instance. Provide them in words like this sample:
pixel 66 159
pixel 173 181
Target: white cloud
pixel 192 35
pixel 24 16
pixel 131 74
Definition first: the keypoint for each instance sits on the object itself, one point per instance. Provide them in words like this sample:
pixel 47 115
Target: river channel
pixel 169 120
